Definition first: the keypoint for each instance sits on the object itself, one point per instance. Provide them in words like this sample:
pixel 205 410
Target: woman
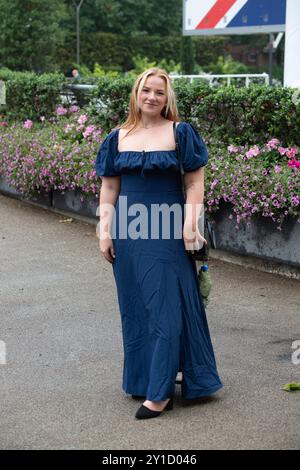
pixel 163 319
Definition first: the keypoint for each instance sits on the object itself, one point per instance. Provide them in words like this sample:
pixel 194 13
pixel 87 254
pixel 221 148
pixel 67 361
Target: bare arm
pixel 194 187
pixel 110 189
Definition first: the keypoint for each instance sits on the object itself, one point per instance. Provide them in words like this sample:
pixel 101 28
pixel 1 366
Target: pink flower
pixel 277 168
pixel 214 184
pixel 3 123
pixel 73 109
pixel 97 133
pixel 273 144
pixel 232 149
pixel 61 111
pixel 28 124
pixel 292 152
pixel 253 152
pixel 294 163
pixel 82 119
pixel 89 130
pixel 282 150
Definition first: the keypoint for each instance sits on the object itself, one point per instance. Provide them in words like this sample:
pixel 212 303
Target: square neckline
pixel 144 151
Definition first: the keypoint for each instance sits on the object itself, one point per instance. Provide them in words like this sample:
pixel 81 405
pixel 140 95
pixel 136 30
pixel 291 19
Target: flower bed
pixel 255 180
pixel 59 154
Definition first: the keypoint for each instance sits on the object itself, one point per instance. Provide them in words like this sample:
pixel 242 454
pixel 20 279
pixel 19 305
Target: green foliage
pixel 231 115
pixel 143 63
pixel 30 33
pixel 60 153
pixel 39 35
pixel 122 54
pixel 226 114
pixel 114 52
pixel 227 66
pixel 29 96
pixel 207 48
pixel 100 72
pixel 131 18
pixel 109 104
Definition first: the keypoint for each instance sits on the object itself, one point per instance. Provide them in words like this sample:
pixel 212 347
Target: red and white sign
pixel 233 16
pixel 212 13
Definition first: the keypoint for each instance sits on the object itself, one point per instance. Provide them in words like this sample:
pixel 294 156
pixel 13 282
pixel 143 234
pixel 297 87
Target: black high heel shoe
pixel 145 413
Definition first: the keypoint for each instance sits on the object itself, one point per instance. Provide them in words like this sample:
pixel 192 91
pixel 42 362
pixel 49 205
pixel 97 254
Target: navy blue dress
pixel 164 324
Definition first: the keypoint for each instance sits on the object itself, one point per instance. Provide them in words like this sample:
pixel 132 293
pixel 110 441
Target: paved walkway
pixel 61 385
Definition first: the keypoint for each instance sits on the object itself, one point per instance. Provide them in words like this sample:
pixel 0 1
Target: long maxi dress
pixel 163 319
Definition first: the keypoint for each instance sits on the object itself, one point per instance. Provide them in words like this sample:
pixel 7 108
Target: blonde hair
pixel 169 112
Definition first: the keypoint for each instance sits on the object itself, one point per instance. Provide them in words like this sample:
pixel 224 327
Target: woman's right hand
pixel 107 249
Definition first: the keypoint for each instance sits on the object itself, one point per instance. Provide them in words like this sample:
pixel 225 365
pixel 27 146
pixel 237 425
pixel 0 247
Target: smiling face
pixel 153 97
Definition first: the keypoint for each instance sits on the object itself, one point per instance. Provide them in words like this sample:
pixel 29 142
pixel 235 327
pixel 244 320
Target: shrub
pixel 29 95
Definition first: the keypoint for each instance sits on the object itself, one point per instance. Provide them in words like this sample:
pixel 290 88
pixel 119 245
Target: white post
pixel 292 44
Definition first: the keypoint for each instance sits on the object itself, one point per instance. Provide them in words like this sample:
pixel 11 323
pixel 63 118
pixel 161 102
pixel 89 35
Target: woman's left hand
pixel 192 238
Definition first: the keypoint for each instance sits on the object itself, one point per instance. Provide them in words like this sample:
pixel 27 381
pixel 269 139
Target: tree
pixel 130 18
pixel 30 33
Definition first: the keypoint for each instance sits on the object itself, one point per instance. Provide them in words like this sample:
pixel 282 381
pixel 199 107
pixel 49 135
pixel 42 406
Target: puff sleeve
pixel 104 164
pixel 193 150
